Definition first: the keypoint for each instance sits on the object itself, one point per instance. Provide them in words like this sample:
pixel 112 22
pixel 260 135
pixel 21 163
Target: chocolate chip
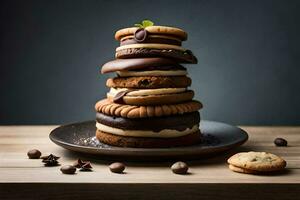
pixel 144 82
pixel 34 154
pixel 280 142
pixel 140 35
pixel 117 167
pixel 68 169
pixel 179 168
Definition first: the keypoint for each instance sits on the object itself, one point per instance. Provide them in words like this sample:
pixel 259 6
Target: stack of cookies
pixel 149 104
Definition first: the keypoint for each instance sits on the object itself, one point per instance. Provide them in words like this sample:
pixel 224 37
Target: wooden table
pixel 210 178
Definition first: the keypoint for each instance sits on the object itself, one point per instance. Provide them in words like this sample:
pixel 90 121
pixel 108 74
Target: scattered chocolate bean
pixel 117 167
pixel 280 142
pixel 83 165
pixel 50 160
pixel 34 154
pixel 68 169
pixel 86 167
pixel 179 168
pixel 78 163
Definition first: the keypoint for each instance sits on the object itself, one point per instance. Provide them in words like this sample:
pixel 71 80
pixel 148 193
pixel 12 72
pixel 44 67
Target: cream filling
pixel 165 133
pixel 151 46
pixel 144 92
pixel 153 73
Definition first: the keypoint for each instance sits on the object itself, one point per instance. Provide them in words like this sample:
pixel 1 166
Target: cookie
pixel 242 170
pixel 257 161
pixel 128 111
pixel 153 30
pixel 152 99
pixel 156 124
pixel 149 82
pixel 140 142
pixel 179 55
pixel 150 46
pixel 140 64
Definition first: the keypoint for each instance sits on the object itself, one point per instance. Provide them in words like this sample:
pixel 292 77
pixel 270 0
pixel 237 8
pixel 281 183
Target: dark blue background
pixel 248 71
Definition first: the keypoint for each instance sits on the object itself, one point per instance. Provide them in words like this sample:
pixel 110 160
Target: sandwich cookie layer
pixel 128 111
pixel 149 82
pixel 148 142
pixel 165 133
pixel 155 124
pixel 145 92
pixel 150 46
pixel 150 99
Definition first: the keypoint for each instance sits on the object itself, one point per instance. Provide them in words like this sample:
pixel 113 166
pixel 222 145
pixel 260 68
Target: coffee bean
pixel 117 167
pixel 68 169
pixel 280 142
pixel 179 168
pixel 34 154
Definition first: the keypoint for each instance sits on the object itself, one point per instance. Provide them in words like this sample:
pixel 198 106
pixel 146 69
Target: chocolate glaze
pixel 180 56
pixel 136 63
pixel 179 67
pixel 156 124
pixel 151 40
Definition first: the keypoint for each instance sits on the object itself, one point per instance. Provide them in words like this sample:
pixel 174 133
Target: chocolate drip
pixel 118 98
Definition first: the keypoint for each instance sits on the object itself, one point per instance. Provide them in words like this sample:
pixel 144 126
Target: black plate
pixel 80 137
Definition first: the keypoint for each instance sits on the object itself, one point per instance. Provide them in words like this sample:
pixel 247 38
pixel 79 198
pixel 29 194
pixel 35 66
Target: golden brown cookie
pixel 149 82
pixel 155 99
pixel 242 170
pixel 257 161
pixel 153 30
pixel 140 142
pixel 128 111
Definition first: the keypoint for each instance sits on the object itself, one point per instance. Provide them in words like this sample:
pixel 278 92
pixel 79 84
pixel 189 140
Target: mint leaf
pixel 147 23
pixel 138 25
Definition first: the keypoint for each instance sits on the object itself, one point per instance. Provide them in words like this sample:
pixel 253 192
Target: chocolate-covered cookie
pixel 156 124
pixel 182 56
pixel 150 39
pixel 140 64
